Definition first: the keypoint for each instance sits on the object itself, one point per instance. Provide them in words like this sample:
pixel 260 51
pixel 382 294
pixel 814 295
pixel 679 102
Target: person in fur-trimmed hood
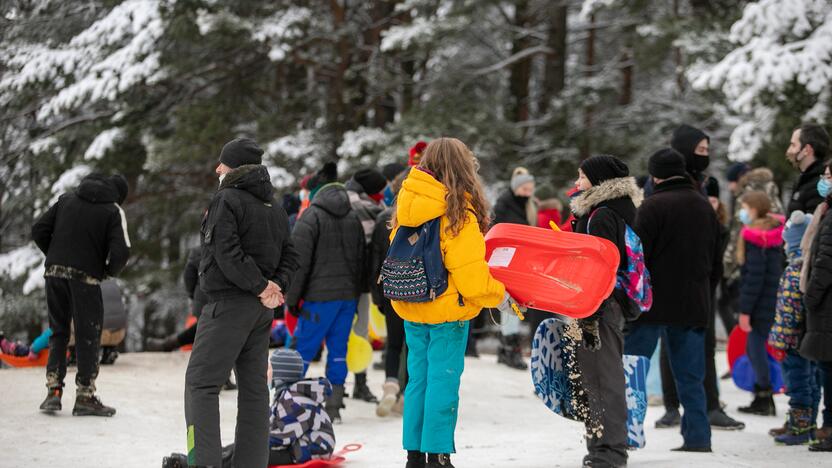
pixel 609 196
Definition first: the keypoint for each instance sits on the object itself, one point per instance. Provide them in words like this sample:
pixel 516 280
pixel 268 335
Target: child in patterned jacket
pixel 785 335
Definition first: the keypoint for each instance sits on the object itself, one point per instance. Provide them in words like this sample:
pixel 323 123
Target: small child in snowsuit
pixel 760 254
pixel 18 349
pixel 299 428
pixel 785 335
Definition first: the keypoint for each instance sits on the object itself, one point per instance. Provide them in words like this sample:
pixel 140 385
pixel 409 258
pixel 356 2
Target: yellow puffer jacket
pixel 421 199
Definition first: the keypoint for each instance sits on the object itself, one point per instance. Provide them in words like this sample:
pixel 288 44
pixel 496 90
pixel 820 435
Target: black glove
pixel 591 334
pixel 294 310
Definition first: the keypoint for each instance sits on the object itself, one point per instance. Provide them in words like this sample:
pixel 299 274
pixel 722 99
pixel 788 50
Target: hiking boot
pixel 334 403
pixel 388 400
pixel 671 418
pixel 822 445
pixel 778 431
pixel 439 460
pixel 685 448
pixel 824 432
pixel 161 344
pixel 801 428
pixel 415 459
pixel 52 402
pixel 510 353
pixel 360 391
pixel 719 420
pixel 108 355
pixel 87 404
pixel 763 403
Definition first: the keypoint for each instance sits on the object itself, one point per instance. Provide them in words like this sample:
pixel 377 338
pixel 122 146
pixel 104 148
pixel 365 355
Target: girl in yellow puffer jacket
pixel 444 185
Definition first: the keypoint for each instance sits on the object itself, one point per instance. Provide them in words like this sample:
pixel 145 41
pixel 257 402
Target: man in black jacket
pixel 330 242
pixel 680 234
pixel 247 261
pixel 84 237
pixel 807 151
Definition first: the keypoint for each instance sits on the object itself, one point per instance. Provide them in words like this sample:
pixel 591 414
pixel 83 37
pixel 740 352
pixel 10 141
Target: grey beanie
pixel 520 178
pixel 287 366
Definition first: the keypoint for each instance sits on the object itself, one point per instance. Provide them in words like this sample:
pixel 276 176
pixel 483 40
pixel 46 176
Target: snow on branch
pixel 364 139
pixel 103 143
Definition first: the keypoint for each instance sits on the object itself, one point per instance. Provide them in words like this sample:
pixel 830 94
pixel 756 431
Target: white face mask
pixel 222 177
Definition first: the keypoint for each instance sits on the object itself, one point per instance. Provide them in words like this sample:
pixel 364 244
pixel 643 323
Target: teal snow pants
pixel 435 360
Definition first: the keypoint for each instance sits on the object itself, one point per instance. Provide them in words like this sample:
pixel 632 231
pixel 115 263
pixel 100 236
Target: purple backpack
pixel 633 278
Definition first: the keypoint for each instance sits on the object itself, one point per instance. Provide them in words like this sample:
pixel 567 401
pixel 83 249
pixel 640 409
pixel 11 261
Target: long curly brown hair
pixel 455 166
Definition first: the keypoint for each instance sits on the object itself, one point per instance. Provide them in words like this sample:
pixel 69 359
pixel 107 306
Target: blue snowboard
pixel 552 365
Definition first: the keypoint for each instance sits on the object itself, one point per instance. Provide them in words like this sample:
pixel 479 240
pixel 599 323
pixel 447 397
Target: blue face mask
pixel 745 218
pixel 824 187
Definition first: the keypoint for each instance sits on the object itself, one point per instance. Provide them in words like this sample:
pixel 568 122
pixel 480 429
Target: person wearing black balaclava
pixel 694 145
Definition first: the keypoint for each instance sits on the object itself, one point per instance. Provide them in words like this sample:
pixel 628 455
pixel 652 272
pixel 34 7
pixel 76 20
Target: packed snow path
pixel 502 424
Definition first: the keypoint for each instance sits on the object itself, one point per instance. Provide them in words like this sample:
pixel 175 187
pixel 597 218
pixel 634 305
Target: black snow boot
pixel 719 420
pixel 415 459
pixel 671 418
pixel 439 460
pixel 510 352
pixel 87 404
pixel 162 344
pixel 108 355
pixel 175 460
pixel 361 391
pixel 334 404
pixel 763 403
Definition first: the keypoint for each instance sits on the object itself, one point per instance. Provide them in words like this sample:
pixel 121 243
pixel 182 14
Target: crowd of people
pixel 322 256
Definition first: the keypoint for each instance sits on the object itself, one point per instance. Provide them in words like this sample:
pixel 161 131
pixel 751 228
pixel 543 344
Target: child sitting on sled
pixel 299 429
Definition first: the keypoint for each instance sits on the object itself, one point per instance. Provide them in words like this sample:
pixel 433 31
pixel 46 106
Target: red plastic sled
pixel 336 460
pixel 737 341
pixel 24 361
pixel 559 272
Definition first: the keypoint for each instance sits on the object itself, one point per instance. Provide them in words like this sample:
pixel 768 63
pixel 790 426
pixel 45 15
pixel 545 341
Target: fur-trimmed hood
pixel 622 187
pixel 756 179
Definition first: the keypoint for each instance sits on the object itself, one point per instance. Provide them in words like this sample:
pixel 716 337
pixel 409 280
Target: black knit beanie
pixel 685 139
pixel 326 175
pixel 603 167
pixel 241 151
pixel 712 187
pixel 370 180
pixel 392 170
pixel 666 163
pixel 120 183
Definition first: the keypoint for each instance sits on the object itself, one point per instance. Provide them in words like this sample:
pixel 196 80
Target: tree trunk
pixel 554 78
pixel 586 147
pixel 520 71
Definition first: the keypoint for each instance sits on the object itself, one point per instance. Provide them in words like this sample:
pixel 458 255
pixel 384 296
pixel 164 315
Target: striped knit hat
pixel 287 366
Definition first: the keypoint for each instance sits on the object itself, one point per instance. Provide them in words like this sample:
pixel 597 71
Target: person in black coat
pixel 247 263
pixel 816 283
pixel 330 241
pixel 604 206
pixel 515 206
pixel 761 260
pixel 84 236
pixel 680 234
pixel 808 149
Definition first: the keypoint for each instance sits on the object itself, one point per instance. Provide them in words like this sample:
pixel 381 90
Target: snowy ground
pixel 501 424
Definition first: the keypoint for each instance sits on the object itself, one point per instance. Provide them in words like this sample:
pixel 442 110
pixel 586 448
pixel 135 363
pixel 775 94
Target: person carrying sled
pixel 84 237
pixel 604 207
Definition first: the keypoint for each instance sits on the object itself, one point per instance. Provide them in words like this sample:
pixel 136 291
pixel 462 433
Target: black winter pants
pixel 670 395
pixel 602 373
pixel 71 301
pixel 395 345
pixel 232 333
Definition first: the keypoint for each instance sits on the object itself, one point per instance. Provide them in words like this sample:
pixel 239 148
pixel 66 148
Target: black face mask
pixel 700 163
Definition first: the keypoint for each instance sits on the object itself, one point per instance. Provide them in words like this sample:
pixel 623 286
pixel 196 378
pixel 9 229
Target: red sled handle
pixel 347 449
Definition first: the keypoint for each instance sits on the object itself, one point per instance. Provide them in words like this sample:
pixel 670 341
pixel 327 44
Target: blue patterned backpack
pixel 414 270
